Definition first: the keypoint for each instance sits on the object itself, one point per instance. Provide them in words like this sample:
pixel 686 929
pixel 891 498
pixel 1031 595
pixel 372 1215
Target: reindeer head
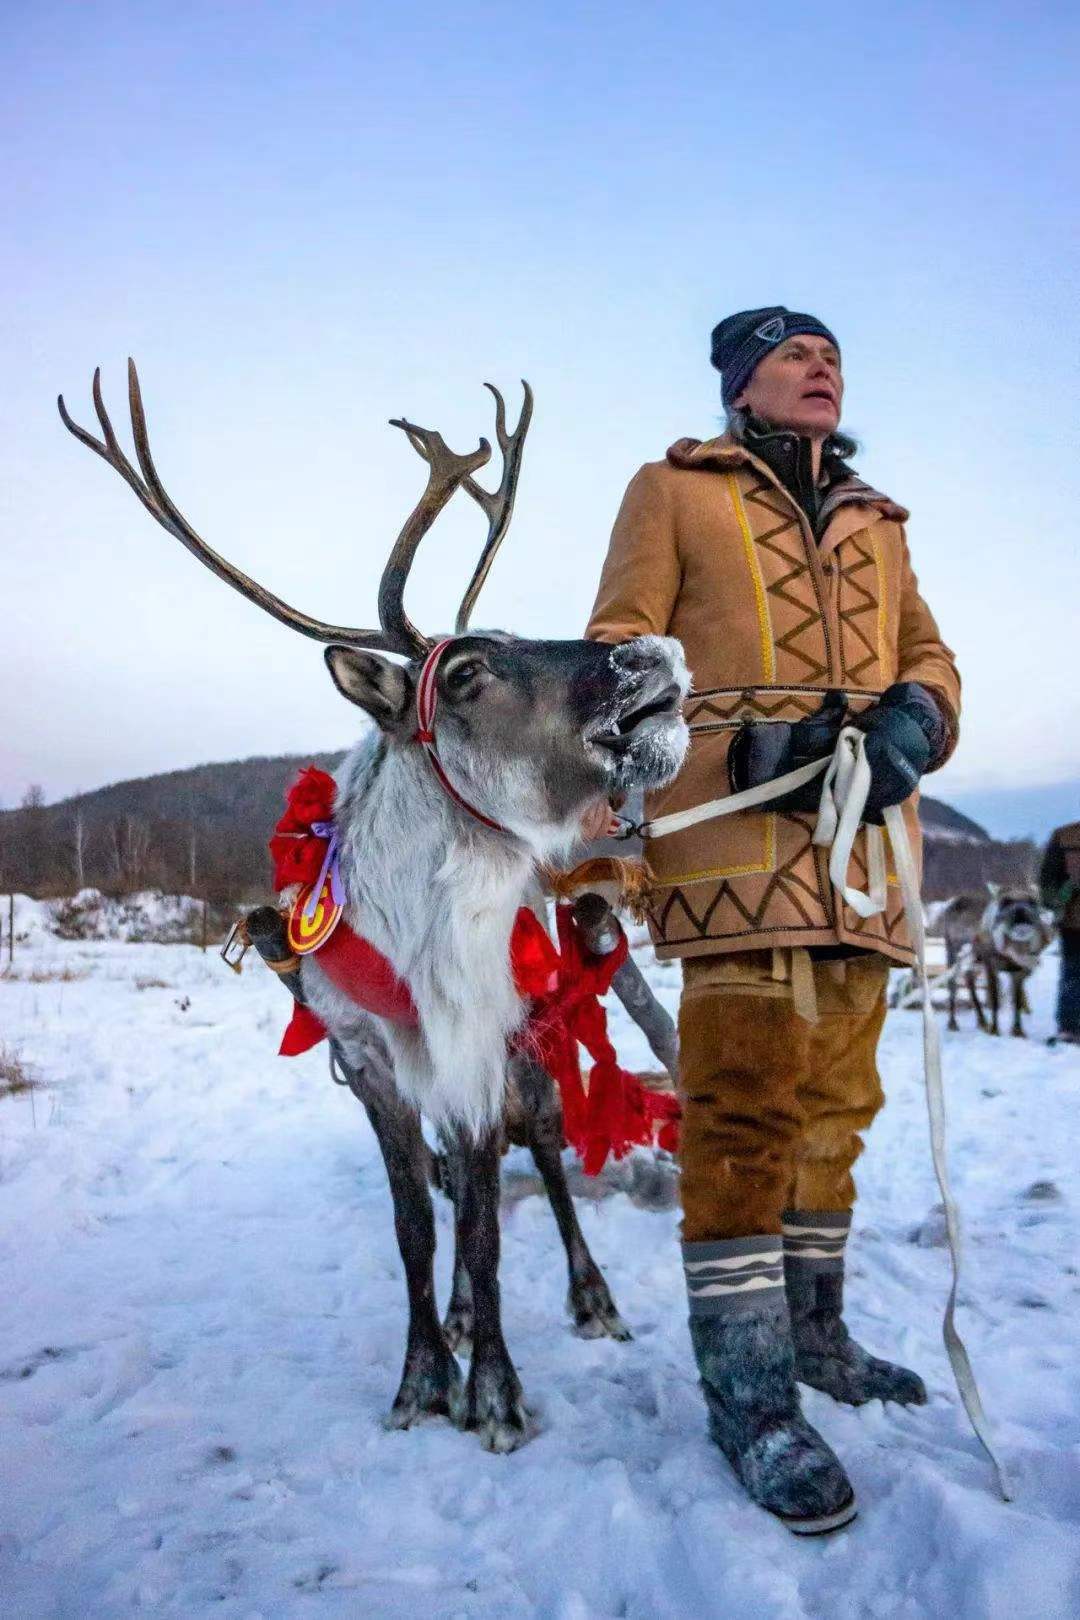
pixel 532 731
pixel 1015 924
pixel 529 732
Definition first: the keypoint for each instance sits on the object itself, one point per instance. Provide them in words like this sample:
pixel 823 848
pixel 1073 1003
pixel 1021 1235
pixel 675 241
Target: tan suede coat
pixel 708 546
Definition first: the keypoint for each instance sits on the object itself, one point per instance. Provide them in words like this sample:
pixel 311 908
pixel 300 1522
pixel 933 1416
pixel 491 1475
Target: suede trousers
pixel 779 1079
pixel 1068 998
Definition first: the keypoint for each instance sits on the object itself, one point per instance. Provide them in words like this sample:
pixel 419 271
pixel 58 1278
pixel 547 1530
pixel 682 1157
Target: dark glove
pixel 760 753
pixel 905 734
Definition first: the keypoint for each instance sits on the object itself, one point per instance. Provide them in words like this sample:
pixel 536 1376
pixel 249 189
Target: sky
pixel 303 219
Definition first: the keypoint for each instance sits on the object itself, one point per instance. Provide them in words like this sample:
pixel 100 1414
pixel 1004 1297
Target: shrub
pixel 15 1075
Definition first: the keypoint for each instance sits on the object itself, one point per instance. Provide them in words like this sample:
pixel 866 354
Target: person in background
pixel 789 583
pixel 1059 889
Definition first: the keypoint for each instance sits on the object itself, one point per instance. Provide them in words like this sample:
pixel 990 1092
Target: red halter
pixel 427 697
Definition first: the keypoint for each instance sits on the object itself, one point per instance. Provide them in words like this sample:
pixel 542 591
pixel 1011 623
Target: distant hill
pixel 198 831
pixel 249 794
pixel 941 821
pixel 204 830
pixel 238 793
pixel 1023 811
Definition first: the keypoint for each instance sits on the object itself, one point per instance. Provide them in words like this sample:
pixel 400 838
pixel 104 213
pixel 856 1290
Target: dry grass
pixel 64 975
pixel 152 984
pixel 15 1075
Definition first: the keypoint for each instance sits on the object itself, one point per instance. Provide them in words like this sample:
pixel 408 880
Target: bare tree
pixel 77 844
pixel 138 851
pixel 30 835
pixel 193 839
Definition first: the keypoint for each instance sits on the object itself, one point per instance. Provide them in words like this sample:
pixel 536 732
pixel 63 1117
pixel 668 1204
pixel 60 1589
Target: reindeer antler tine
pixel 178 525
pixel 497 505
pixel 433 448
pixel 103 417
pixel 500 415
pixel 80 432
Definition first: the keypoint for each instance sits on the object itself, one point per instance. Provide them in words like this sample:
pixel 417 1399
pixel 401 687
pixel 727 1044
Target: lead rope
pixel 843 799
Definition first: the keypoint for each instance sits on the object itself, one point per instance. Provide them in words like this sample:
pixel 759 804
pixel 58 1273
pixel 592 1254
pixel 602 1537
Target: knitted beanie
pixel 740 341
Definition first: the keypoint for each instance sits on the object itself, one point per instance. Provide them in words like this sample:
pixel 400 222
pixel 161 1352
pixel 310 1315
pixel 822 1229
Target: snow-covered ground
pixel 202 1325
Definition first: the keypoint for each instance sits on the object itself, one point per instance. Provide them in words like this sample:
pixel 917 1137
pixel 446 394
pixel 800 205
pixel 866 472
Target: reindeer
pixel 442 826
pixel 1006 935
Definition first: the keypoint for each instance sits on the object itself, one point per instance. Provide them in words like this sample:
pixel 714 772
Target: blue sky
pixel 304 219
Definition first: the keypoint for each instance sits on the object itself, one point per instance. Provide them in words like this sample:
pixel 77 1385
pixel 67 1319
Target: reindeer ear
pixel 380 687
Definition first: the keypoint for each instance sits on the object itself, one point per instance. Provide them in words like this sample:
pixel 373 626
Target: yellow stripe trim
pixel 883 605
pixel 768 649
pixel 766 864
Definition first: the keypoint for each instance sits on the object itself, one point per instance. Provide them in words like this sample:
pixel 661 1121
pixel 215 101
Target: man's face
pixel 799 386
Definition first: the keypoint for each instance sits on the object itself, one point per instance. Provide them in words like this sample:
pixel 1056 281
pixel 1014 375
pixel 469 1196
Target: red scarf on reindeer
pixel 563 985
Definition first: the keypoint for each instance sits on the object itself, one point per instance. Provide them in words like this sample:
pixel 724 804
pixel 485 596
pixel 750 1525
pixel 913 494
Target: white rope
pixel 844 791
pixel 748 799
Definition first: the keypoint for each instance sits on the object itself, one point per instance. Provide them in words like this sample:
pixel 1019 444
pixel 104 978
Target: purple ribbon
pixel 326 829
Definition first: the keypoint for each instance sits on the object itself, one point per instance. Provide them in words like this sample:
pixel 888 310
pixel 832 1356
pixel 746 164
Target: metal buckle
pixel 238 936
pixel 627 829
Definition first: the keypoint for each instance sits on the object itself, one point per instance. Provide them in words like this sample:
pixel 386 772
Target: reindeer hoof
pixel 594 1311
pixel 431 1386
pixel 505 1434
pixel 458 1329
pixel 495 1407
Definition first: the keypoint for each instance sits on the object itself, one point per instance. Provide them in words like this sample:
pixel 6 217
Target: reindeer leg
pixel 950 961
pixel 1017 988
pixel 494 1405
pixel 589 1298
pixel 973 992
pixel 993 990
pixel 458 1321
pixel 601 932
pixel 431 1379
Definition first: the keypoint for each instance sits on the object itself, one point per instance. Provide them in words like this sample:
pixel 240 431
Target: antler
pixel 154 496
pixel 498 506
pixel 448 472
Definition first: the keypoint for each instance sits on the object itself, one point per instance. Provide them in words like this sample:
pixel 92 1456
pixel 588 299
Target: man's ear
pixel 380 687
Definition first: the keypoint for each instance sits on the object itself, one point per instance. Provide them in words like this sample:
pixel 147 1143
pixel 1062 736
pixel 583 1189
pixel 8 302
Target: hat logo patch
pixel 771 331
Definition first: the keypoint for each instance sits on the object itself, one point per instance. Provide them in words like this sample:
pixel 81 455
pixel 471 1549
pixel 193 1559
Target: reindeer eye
pixel 458 678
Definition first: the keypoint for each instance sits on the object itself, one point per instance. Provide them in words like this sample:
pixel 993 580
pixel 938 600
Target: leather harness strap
pixel 427 697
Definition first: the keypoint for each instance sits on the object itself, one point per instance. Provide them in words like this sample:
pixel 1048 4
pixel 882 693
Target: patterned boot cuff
pixel 814 1239
pixel 735 1275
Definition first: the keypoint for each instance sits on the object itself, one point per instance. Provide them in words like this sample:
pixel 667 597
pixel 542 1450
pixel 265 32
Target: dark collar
pixel 789 457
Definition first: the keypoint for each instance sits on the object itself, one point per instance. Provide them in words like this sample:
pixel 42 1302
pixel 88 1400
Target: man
pixel 789 583
pixel 1059 888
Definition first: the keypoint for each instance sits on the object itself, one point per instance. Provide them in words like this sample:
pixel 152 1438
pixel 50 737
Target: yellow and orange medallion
pixel 307 932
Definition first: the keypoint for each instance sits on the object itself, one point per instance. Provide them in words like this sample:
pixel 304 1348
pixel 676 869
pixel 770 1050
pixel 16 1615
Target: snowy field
pixel 203 1322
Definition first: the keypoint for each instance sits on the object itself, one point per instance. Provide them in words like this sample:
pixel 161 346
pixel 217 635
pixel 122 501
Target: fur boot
pixel 741 1334
pixel 826 1356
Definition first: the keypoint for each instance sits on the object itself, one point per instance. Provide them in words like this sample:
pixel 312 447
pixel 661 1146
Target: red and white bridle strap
pixel 427 697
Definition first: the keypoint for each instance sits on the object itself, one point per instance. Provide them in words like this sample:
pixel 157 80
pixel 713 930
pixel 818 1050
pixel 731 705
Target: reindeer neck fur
pixel 437 893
